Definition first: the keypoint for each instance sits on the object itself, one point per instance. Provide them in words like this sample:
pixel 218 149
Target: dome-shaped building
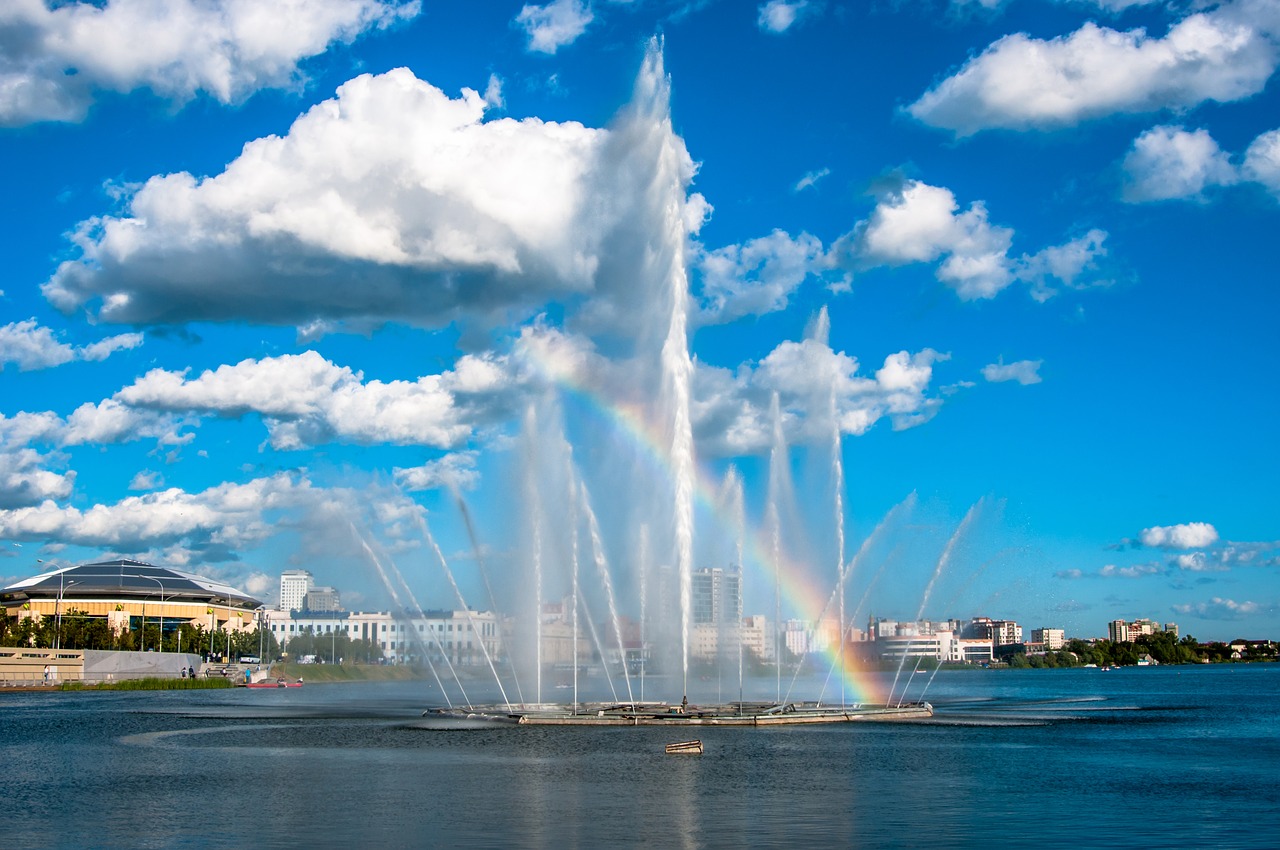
pixel 124 592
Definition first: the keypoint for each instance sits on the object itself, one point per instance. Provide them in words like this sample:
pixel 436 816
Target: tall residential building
pixel 294 585
pixel 322 599
pixel 717 596
pixel 1053 639
pixel 1118 631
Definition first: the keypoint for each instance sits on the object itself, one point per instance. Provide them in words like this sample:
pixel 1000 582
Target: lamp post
pixel 144 612
pixel 57 614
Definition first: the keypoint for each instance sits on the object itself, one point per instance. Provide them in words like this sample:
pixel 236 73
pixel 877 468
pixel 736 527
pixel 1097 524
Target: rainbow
pixel 800 592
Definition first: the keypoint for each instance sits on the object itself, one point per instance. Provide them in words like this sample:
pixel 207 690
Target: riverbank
pixel 330 673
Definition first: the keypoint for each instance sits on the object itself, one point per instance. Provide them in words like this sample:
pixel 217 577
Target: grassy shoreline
pixel 148 684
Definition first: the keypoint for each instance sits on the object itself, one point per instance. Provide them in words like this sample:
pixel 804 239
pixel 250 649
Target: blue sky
pixel 277 276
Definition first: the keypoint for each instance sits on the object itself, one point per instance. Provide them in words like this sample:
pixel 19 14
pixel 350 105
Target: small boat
pixel 693 748
pixel 277 683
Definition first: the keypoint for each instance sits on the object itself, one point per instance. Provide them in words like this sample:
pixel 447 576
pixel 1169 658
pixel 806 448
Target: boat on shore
pixel 664 714
pixel 274 683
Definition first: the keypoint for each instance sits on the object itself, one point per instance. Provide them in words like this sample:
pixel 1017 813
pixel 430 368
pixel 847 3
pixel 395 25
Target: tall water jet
pixel 779 489
pixel 658 170
pixel 733 505
pixel 462 603
pixel 533 503
pixel 643 570
pixel 937 571
pixel 602 569
pixel 837 486
pixel 395 598
pixel 484 573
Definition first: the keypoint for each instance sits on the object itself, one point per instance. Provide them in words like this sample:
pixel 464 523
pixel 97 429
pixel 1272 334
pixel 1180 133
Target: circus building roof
pixel 127 579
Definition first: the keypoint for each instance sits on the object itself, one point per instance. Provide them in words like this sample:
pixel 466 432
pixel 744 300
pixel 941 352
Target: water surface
pixel 1154 757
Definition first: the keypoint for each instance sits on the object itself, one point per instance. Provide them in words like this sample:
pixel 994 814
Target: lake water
pixel 1139 757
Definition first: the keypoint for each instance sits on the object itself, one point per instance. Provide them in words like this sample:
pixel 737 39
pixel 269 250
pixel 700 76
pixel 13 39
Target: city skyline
pixel 279 286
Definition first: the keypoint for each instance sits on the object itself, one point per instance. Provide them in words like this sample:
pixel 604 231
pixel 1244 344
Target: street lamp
pixel 144 611
pixel 57 614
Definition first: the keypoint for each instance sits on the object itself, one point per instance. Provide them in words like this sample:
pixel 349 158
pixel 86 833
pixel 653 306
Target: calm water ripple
pixel 1159 757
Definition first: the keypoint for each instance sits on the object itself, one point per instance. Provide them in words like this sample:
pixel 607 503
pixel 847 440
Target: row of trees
pixel 78 630
pixel 332 647
pixel 81 631
pixel 1163 647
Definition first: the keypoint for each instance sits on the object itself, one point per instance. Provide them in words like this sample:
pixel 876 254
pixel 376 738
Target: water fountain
pixel 651 483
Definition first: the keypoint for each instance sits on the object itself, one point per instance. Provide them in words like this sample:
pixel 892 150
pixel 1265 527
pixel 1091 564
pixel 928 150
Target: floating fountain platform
pixel 664 714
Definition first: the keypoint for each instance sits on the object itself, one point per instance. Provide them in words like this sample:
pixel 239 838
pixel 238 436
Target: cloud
pixel 457 469
pixel 1023 371
pixel 811 179
pixel 24 481
pixel 391 202
pixel 1191 535
pixel 914 222
pixel 306 400
pixel 755 278
pixel 146 479
pixel 554 25
pixel 1023 83
pixel 32 346
pixel 109 421
pixel 731 408
pixel 1063 266
pixel 778 16
pixel 1262 161
pixel 1200 562
pixel 227 513
pixel 57 60
pixel 219 523
pixel 1218 608
pixel 1170 162
pixel 1135 571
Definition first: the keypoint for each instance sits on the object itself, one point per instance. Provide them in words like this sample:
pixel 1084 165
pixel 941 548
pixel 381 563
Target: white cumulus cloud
pixel 554 25
pixel 390 202
pixel 1218 608
pixel 1171 162
pixel 456 469
pixel 58 57
pixel 1262 161
pixel 778 16
pixel 1022 83
pixel 754 278
pixel 1023 371
pixel 30 346
pixel 914 222
pixel 918 223
pixel 306 400
pixel 1191 535
pixel 731 408
pixel 24 480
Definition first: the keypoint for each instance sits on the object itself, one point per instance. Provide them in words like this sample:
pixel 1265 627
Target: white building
pixel 462 636
pixel 294 585
pixel 1053 639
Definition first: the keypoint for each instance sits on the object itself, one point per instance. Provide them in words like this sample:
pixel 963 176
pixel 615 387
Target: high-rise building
pixel 322 599
pixel 294 585
pixel 1118 631
pixel 717 596
pixel 1053 639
